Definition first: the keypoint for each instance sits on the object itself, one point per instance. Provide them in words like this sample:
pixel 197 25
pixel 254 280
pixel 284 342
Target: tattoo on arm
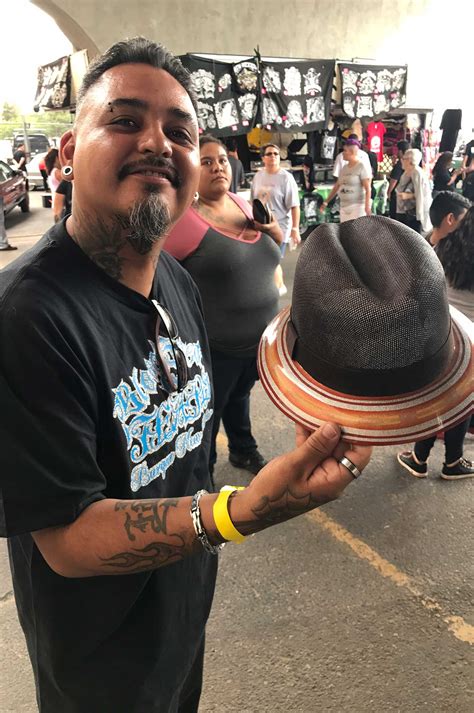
pixel 145 514
pixel 152 556
pixel 149 516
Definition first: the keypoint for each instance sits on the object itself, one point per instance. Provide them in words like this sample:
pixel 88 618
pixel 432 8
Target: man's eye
pixel 180 135
pixel 126 123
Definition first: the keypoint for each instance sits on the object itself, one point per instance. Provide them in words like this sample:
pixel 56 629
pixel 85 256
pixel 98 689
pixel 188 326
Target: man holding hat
pixel 106 414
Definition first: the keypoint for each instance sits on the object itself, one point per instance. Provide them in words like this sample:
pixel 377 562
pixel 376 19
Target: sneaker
pixel 462 468
pixel 253 461
pixel 410 462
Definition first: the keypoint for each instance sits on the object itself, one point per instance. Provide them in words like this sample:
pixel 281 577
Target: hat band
pixel 372 382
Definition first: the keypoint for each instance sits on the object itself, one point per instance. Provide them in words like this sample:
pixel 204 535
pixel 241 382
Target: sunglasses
pixel 271 153
pixel 172 381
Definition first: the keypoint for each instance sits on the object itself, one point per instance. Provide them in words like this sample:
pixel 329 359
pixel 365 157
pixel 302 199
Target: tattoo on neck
pixel 102 243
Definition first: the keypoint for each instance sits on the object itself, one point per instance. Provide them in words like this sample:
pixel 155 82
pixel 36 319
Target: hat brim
pixel 368 420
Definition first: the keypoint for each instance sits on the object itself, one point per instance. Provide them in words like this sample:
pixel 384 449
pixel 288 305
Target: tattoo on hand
pixel 287 505
pixel 143 514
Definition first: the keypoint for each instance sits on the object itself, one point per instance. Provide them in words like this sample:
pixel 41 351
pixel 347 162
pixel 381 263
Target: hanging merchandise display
pixel 227 94
pixel 54 85
pixel 375 133
pixel 296 95
pixel 372 90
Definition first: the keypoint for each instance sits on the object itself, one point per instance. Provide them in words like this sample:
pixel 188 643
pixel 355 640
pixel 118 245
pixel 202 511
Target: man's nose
pixel 154 140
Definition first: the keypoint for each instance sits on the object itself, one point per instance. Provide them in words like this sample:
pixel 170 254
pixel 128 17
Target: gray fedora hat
pixel 370 341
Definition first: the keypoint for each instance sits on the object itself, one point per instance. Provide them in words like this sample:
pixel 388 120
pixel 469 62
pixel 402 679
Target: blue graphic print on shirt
pixel 149 424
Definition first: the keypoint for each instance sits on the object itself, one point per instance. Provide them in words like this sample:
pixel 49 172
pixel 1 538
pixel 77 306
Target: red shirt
pixel 375 132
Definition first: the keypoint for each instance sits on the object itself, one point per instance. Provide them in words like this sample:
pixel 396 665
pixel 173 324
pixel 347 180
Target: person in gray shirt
pixel 353 185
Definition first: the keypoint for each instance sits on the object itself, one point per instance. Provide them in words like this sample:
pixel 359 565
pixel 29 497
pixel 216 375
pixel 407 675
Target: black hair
pixel 209 139
pixel 456 253
pixel 50 159
pixel 443 161
pixel 447 202
pixel 137 50
pixel 403 146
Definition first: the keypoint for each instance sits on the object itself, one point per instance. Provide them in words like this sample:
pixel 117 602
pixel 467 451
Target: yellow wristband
pixel 222 520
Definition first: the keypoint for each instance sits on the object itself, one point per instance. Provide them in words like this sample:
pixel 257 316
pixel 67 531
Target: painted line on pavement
pixel 456 624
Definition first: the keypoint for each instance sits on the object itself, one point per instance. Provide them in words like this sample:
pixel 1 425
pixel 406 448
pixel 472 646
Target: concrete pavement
pixel 363 606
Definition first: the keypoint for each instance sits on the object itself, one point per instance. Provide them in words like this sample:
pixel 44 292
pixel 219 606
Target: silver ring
pixel 353 469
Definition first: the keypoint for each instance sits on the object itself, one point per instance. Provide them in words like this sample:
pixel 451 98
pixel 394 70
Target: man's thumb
pixel 320 444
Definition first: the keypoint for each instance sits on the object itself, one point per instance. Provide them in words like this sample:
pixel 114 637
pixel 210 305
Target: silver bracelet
pixel 197 523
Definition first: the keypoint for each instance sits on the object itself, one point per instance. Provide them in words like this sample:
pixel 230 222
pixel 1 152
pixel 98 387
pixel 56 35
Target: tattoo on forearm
pixel 141 515
pixel 156 554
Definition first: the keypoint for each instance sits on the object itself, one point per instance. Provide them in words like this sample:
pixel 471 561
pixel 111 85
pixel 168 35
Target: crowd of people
pixel 139 360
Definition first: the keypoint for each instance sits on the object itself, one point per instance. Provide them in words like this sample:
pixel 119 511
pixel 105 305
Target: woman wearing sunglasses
pixel 232 259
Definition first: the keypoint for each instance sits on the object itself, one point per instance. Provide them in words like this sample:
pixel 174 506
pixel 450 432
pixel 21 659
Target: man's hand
pixel 298 481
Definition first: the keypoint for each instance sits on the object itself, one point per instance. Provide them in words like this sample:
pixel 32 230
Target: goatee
pixel 147 222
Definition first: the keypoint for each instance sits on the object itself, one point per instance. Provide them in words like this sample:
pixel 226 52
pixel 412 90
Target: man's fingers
pixel 318 446
pixel 359 455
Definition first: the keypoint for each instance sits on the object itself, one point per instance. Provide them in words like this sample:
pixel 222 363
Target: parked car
pixel 35 179
pixel 38 143
pixel 13 189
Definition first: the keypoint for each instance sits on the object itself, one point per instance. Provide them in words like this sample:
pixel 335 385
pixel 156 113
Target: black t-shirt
pixel 18 155
pixel 83 418
pixel 238 176
pixel 441 178
pixel 395 175
pixel 65 189
pixel 469 152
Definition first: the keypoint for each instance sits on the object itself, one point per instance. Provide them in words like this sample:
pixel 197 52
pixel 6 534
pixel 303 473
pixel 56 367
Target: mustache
pixel 150 163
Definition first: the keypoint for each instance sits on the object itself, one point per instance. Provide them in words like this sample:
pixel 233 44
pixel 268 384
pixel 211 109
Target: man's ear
pixel 450 220
pixel 67 147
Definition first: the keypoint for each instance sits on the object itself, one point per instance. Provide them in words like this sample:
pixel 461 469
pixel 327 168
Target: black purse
pixel 260 212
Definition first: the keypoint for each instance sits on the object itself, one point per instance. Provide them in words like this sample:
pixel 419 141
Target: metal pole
pixel 27 140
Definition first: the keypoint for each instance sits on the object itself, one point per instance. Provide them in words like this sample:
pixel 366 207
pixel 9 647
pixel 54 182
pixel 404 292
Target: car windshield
pixel 5 171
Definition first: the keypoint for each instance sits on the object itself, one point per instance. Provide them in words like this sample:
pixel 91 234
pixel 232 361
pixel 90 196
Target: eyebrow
pixel 136 103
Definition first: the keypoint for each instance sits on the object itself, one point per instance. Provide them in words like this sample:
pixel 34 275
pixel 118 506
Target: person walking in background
pixel 20 158
pixel 394 178
pixel 277 189
pixel 53 169
pixel 413 193
pixel 353 185
pixel 455 250
pixel 362 156
pixel 4 244
pixel 44 174
pixel 447 211
pixel 238 175
pixel 232 260
pixel 444 177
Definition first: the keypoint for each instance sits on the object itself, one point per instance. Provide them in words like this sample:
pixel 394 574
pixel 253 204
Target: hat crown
pixel 370 296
